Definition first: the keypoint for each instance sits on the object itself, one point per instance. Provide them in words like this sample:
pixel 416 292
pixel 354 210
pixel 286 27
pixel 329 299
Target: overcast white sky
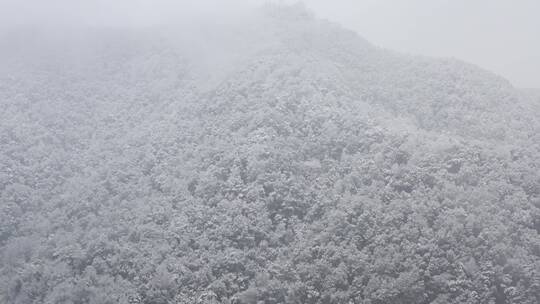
pixel 500 35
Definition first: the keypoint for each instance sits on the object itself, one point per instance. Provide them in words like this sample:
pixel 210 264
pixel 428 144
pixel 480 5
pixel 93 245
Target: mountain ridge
pixel 281 160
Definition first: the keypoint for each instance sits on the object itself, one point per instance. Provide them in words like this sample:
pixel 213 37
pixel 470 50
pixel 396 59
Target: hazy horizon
pixel 501 36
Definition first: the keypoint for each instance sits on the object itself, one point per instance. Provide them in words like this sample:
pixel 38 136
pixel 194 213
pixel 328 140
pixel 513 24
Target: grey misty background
pixel 501 36
pixel 250 152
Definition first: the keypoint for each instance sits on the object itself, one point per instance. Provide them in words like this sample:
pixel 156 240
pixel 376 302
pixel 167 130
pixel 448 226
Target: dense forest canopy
pixel 276 159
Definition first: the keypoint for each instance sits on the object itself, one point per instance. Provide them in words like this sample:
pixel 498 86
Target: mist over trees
pixel 275 159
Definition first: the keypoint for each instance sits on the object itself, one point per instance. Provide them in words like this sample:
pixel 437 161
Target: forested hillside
pixel 278 159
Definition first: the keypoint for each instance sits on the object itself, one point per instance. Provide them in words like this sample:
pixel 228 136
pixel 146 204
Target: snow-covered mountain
pixel 275 159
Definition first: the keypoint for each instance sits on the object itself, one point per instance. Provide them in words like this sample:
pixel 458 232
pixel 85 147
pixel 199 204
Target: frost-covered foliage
pixel 282 160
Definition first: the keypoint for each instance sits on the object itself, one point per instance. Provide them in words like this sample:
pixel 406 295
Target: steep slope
pixel 280 159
